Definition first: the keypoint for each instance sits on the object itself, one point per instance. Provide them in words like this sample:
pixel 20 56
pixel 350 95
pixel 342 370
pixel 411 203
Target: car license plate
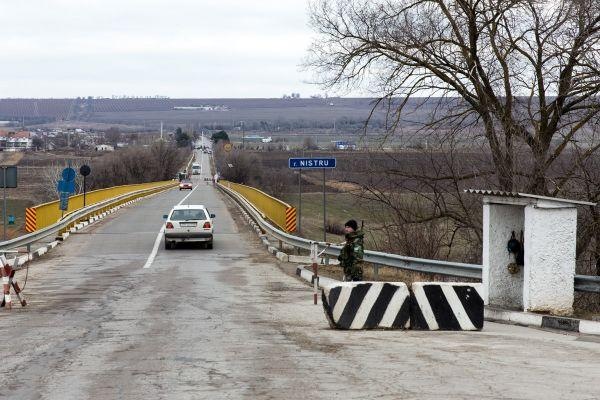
pixel 187 224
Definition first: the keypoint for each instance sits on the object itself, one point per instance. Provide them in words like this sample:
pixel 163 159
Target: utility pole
pixel 243 135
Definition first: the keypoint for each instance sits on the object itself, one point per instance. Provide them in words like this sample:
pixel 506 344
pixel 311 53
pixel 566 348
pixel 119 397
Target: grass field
pixel 340 208
pixel 16 208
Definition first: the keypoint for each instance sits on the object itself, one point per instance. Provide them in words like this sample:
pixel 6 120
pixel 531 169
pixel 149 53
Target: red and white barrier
pixel 8 280
pixel 5 271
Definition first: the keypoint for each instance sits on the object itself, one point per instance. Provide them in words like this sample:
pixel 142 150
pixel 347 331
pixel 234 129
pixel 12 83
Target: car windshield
pixel 187 215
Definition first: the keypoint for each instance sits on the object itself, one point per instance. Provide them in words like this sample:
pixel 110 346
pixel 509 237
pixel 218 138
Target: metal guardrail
pixel 49 213
pixel 274 209
pixel 472 271
pixel 583 283
pixel 76 216
pixel 587 283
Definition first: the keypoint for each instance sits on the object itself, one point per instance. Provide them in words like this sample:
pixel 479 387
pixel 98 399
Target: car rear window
pixel 187 215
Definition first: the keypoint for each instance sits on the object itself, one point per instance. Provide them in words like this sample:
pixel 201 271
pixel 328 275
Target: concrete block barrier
pixel 282 256
pixel 367 305
pixel 447 306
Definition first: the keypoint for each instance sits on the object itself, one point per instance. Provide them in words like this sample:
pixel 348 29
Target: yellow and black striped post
pixel 30 219
pixel 290 219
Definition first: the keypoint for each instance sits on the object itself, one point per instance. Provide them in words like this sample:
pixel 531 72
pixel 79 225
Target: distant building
pixel 15 141
pixel 104 147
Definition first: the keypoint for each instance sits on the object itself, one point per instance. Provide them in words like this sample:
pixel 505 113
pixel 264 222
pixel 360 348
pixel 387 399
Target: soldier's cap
pixel 352 224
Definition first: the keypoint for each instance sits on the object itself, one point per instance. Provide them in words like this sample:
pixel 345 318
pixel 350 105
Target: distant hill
pixel 291 113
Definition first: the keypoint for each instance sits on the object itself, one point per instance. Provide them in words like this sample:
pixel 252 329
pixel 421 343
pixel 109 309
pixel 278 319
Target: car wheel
pixel 209 245
pixel 168 245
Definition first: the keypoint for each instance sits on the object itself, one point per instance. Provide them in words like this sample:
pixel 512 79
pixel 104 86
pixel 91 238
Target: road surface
pixel 228 323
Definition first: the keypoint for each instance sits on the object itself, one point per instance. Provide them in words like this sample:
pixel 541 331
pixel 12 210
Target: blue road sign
pixel 306 163
pixel 68 174
pixel 66 186
pixel 64 201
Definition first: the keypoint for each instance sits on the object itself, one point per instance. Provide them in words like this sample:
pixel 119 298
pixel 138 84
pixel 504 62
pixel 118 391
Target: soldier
pixel 351 256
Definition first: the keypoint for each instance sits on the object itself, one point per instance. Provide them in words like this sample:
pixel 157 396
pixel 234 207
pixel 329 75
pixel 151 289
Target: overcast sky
pixel 176 48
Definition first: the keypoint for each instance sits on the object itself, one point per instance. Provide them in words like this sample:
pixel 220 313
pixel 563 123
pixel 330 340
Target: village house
pixel 15 141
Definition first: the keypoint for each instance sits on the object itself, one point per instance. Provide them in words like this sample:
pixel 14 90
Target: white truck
pixel 196 169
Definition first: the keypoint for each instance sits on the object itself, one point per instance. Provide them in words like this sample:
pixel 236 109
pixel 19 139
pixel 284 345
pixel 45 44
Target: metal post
pixel 84 191
pixel 324 210
pixel 4 208
pixel 314 250
pixel 300 201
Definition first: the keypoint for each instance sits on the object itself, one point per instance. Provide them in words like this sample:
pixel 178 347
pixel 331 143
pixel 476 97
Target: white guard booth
pixel 547 229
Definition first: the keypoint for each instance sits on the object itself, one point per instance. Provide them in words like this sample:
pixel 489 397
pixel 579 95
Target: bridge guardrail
pixel 281 213
pixel 583 283
pixel 74 217
pixel 46 214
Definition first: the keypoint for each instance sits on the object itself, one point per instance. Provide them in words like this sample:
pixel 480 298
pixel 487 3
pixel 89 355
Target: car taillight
pixel 169 225
pixel 207 225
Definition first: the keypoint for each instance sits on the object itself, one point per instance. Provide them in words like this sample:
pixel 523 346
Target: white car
pixel 189 223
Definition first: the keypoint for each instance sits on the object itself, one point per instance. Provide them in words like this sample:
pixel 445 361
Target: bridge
pixel 111 314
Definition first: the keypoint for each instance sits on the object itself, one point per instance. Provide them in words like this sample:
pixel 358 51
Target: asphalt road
pixel 228 323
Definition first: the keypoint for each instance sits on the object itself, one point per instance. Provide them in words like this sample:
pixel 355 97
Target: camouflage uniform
pixel 351 256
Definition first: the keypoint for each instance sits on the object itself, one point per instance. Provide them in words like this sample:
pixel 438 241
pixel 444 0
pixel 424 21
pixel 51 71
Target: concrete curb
pixel 39 252
pixel 307 260
pixel 543 321
pixel 322 281
pixel 282 257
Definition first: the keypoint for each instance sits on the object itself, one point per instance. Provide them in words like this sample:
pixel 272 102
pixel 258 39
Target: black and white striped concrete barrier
pixel 367 305
pixel 446 306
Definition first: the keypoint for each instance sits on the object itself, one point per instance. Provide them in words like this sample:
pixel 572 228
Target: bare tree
pixel 236 166
pixel 524 72
pixel 137 165
pixel 113 136
pixel 309 143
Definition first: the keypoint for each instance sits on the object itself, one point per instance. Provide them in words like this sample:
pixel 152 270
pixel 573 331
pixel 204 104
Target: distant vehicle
pixel 196 169
pixel 188 223
pixel 185 185
pixel 344 145
pixel 267 140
